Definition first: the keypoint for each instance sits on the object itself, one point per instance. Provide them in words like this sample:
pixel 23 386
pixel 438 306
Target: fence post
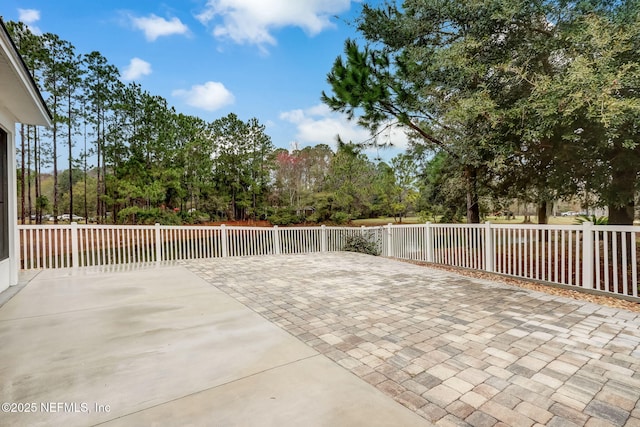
pixel 323 238
pixel 223 240
pixel 159 255
pixel 429 241
pixel 276 240
pixel 587 255
pixel 489 248
pixel 75 254
pixel 389 241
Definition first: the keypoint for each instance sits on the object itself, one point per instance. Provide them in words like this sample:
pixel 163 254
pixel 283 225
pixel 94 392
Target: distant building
pixel 20 102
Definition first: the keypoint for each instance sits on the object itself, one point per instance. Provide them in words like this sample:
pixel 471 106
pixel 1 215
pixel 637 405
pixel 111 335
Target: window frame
pixel 4 196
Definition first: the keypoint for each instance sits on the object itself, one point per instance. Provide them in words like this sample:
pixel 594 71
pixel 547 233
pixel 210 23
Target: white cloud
pixel 30 17
pixel 395 135
pixel 319 125
pixel 154 26
pixel 252 21
pixel 209 96
pixel 136 69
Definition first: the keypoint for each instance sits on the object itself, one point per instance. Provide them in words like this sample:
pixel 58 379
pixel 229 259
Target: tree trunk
pixel 622 193
pixel 473 207
pixel 233 206
pixel 22 174
pixel 86 209
pixel 98 171
pixel 69 143
pixel 543 217
pixel 55 173
pixel 621 215
pixel 622 198
pixel 36 162
pixel 103 184
pixel 30 202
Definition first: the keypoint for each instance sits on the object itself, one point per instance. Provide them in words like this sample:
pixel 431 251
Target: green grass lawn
pixel 554 220
pixel 369 222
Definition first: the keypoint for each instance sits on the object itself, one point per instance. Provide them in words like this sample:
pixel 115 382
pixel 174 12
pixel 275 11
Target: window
pixel 4 197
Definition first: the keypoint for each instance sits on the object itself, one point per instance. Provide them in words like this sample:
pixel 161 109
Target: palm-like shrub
pixel 596 220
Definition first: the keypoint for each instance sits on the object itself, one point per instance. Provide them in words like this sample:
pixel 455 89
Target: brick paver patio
pixel 456 350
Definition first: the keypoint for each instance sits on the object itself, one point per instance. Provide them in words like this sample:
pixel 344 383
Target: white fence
pixel 602 258
pixel 78 245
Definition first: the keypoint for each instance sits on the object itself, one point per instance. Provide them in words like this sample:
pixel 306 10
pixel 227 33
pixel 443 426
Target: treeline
pixel 252 181
pixel 140 161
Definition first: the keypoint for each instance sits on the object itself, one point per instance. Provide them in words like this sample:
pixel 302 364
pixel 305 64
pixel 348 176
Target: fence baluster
pixel 625 279
pixel 587 255
pixel 634 266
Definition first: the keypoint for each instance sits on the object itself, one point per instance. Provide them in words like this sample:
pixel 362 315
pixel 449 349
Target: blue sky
pixel 208 58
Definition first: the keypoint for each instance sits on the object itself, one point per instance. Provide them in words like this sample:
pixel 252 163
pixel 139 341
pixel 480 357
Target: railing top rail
pixel 38 226
pixel 614 228
pixel 539 226
pixel 83 226
pixel 617 228
pixel 443 225
pixel 296 228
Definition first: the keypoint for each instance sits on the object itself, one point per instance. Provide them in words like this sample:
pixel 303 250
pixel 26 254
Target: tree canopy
pixel 531 98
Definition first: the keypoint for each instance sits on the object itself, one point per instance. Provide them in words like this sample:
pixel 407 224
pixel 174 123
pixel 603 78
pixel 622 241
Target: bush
pixel 596 220
pixel 340 217
pixel 194 217
pixel 314 218
pixel 283 217
pixel 141 216
pixel 362 244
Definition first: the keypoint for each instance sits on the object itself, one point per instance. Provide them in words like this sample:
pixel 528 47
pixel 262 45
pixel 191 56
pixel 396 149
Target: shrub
pixel 362 244
pixel 314 218
pixel 596 220
pixel 194 217
pixel 283 217
pixel 340 217
pixel 137 215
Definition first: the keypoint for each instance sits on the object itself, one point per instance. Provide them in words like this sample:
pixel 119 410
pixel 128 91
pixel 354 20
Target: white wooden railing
pixel 78 245
pixel 602 258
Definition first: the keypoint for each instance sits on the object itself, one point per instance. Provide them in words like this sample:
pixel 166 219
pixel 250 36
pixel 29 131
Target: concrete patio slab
pixel 311 392
pixel 91 346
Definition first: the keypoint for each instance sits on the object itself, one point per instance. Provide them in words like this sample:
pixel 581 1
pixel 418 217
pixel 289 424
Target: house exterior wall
pixel 9 267
pixel 20 101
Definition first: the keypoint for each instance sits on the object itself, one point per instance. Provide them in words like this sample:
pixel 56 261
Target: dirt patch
pixel 247 223
pixel 568 293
